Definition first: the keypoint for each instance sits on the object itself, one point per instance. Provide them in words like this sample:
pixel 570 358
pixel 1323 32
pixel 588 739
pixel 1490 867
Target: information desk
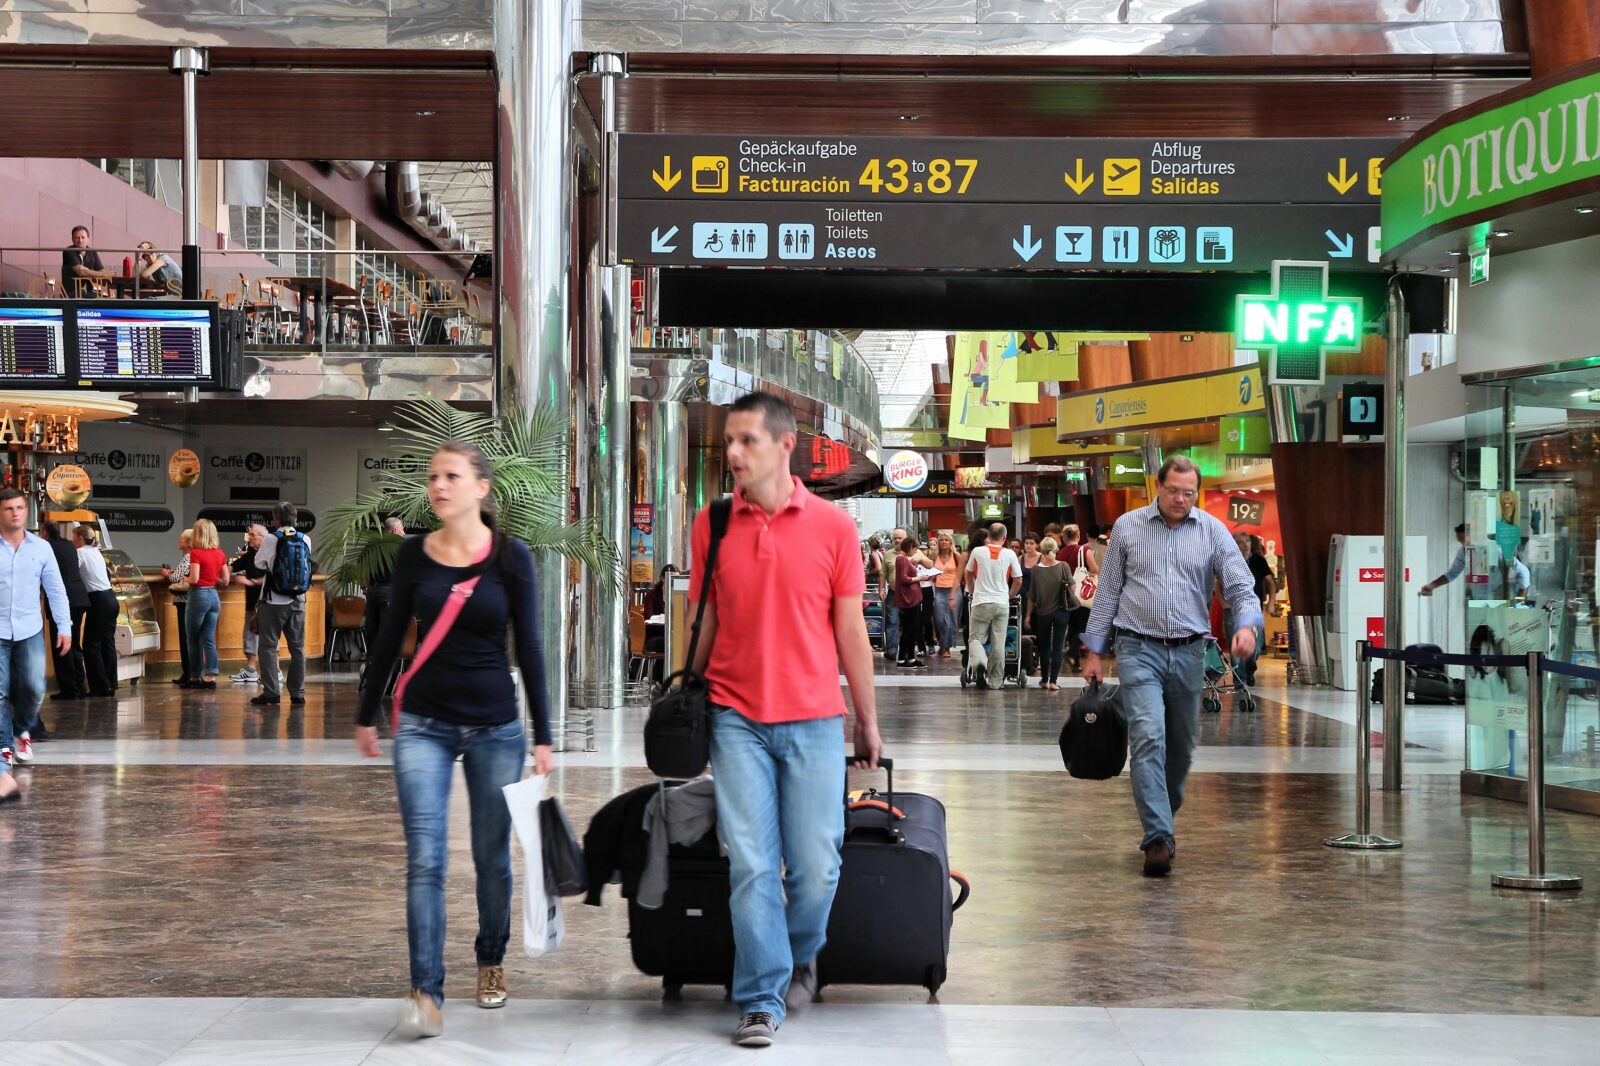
pixel 230 627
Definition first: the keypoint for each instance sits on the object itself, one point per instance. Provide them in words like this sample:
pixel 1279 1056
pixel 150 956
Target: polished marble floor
pixel 185 855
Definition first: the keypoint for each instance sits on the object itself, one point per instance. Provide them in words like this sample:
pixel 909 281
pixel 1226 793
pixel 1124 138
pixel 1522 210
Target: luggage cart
pixel 1018 647
pixel 872 607
pixel 1222 677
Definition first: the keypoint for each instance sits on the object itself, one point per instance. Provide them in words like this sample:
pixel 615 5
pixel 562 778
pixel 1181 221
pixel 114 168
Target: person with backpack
pixel 471 588
pixel 286 557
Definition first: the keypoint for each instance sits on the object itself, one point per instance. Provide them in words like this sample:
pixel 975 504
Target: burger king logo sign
pixel 906 472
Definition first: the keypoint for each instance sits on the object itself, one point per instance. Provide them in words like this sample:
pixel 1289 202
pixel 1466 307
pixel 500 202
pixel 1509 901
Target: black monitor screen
pixel 32 344
pixel 146 344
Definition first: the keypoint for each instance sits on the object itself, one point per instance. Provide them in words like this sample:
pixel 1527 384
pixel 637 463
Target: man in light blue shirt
pixel 26 565
pixel 1155 598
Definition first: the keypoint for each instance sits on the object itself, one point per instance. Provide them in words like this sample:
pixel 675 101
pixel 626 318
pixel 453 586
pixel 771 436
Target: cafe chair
pixel 640 661
pixel 349 632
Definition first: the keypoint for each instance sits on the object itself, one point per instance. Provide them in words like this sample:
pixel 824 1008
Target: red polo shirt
pixel 775 659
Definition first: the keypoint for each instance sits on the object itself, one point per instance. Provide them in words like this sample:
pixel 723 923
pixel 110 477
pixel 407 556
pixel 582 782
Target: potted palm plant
pixel 530 453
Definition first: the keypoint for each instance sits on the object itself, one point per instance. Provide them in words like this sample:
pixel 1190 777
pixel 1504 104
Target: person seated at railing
pixel 159 269
pixel 81 266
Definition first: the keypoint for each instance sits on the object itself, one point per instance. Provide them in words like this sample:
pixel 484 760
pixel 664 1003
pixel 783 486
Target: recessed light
pixel 1457 252
pixel 426 114
pixel 1501 233
pixel 385 429
pixel 1399 118
pixel 1584 210
pixel 910 118
pixel 1447 270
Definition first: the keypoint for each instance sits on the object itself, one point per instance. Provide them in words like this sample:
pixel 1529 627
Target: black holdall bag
pixel 1094 738
pixel 677 734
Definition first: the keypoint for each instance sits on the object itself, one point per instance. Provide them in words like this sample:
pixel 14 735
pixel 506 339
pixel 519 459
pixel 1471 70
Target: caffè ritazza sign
pixel 1539 142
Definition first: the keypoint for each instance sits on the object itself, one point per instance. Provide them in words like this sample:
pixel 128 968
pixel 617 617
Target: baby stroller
pixel 1222 677
pixel 1018 655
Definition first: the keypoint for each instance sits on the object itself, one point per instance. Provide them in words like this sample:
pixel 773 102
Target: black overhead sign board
pixel 998 203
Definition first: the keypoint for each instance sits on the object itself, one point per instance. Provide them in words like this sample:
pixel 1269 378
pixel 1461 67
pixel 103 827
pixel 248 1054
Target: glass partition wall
pixel 1531 463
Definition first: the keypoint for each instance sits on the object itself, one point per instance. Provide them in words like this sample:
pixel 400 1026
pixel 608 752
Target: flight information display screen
pixel 129 345
pixel 33 347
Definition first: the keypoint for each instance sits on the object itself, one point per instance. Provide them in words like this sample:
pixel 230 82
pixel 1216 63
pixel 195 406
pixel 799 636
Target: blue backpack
pixel 291 564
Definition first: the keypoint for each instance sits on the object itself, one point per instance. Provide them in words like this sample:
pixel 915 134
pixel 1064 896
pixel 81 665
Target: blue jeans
pixel 1161 697
pixel 21 687
pixel 780 814
pixel 944 619
pixel 891 628
pixel 492 757
pixel 200 626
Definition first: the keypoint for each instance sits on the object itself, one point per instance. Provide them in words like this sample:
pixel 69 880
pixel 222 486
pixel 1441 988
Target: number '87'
pixel 893 176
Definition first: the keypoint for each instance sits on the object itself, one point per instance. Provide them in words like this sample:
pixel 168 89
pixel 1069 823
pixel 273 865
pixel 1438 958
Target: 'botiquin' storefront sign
pixel 1477 161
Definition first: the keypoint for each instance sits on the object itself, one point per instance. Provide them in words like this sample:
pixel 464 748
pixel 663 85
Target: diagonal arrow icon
pixel 1343 247
pixel 1076 181
pixel 1346 180
pixel 666 177
pixel 1027 248
pixel 662 242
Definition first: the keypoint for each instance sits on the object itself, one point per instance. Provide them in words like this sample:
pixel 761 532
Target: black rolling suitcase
pixel 688 940
pixel 891 917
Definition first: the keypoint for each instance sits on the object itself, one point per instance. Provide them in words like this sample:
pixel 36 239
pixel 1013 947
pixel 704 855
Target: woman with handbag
pixel 1048 598
pixel 468 586
pixel 908 598
pixel 1081 563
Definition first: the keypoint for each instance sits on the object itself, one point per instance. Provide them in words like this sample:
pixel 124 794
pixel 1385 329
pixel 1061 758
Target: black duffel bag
pixel 677 734
pixel 1094 738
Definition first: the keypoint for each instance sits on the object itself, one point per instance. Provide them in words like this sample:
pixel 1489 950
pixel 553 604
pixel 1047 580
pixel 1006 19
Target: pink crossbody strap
pixel 459 594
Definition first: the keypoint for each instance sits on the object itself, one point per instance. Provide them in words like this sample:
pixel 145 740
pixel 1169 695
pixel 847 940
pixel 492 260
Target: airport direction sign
pixel 996 236
pixel 1025 170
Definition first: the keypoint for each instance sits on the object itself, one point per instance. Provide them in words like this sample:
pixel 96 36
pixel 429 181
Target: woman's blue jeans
pixel 200 625
pixel 944 619
pixel 492 757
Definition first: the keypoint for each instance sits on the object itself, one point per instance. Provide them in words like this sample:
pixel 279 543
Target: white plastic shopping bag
pixel 543 921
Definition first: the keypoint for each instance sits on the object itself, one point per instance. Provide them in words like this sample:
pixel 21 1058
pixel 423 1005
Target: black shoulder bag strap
pixel 720 511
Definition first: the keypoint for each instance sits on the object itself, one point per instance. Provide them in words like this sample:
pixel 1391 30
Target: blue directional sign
pixel 1167 244
pixel 730 240
pixel 1074 244
pixel 1027 247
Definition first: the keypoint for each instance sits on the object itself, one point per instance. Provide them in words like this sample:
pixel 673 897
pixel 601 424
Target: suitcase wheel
pixel 1022 680
pixel 1212 705
pixel 671 989
pixel 933 980
pixel 964 681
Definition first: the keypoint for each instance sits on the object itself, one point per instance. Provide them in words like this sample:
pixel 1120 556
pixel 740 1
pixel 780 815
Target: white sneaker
pixel 246 676
pixel 24 748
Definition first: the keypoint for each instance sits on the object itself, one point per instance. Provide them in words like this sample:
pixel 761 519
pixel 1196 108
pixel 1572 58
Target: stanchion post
pixel 1363 838
pixel 1536 879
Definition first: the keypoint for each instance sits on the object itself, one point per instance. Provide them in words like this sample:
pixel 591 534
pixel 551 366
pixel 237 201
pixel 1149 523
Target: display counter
pixel 230 626
pixel 138 632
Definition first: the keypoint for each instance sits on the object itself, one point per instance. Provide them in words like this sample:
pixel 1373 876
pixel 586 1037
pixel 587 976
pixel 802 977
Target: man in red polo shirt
pixel 786 598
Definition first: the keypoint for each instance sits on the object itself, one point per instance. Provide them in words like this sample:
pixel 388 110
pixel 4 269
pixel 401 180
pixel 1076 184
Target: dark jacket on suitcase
pixel 616 847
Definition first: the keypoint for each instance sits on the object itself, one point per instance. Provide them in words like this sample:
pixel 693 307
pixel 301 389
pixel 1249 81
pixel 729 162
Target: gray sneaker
pixel 802 988
pixel 755 1030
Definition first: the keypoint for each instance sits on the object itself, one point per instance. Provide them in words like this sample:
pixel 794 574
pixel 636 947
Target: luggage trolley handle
pixel 890 812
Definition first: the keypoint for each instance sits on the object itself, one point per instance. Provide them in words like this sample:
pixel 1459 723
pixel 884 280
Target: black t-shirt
pixel 467 680
pixel 245 566
pixel 73 257
pixel 1260 571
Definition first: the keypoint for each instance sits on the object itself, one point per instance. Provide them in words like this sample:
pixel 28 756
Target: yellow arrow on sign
pixel 669 178
pixel 1078 183
pixel 1346 180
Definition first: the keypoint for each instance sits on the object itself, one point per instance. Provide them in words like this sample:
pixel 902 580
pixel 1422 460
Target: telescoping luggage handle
pixel 890 812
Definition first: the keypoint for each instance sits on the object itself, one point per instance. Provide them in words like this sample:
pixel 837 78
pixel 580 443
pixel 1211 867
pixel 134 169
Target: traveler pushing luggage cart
pixel 1018 652
pixel 994 577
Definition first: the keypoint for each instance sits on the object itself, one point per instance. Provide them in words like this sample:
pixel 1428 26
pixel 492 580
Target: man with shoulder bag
pixel 787 595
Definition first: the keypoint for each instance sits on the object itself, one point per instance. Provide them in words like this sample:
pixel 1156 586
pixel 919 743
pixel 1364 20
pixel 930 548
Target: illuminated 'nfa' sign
pixel 1298 323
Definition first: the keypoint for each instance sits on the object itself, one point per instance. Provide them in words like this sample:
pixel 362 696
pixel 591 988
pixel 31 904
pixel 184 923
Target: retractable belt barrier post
pixel 1536 878
pixel 1363 839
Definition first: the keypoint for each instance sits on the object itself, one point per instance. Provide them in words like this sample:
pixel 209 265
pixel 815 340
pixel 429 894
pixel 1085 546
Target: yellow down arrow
pixel 1077 182
pixel 1346 180
pixel 666 177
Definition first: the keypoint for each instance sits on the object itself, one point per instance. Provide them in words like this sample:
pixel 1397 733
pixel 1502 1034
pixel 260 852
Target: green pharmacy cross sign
pixel 1298 323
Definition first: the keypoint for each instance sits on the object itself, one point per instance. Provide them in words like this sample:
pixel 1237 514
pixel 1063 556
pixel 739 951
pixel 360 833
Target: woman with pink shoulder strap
pixel 470 588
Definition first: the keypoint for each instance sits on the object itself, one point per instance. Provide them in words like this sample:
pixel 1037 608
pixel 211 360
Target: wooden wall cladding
pixel 1101 366
pixel 1323 489
pixel 1561 33
pixel 1169 355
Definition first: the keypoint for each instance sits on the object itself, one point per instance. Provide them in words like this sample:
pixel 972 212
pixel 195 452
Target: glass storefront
pixel 1531 463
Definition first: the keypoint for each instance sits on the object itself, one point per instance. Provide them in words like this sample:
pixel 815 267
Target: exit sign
pixel 1298 323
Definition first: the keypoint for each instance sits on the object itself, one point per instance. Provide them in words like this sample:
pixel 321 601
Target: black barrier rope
pixel 1585 673
pixel 1413 657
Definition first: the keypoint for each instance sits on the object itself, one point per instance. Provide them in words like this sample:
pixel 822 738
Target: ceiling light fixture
pixel 1584 209
pixel 1458 253
pixel 910 118
pixel 1500 233
pixel 426 114
pixel 1399 118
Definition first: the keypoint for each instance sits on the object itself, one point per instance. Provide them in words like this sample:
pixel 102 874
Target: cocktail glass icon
pixel 1167 243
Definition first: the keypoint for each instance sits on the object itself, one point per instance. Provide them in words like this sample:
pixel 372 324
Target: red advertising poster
pixel 1375 631
pixel 1249 512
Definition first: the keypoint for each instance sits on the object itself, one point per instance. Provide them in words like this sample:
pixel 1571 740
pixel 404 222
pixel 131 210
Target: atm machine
pixel 1355 599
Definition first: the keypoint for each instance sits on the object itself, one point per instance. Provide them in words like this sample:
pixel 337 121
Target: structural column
pixel 669 457
pixel 533 50
pixel 189 64
pixel 1394 537
pixel 605 652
